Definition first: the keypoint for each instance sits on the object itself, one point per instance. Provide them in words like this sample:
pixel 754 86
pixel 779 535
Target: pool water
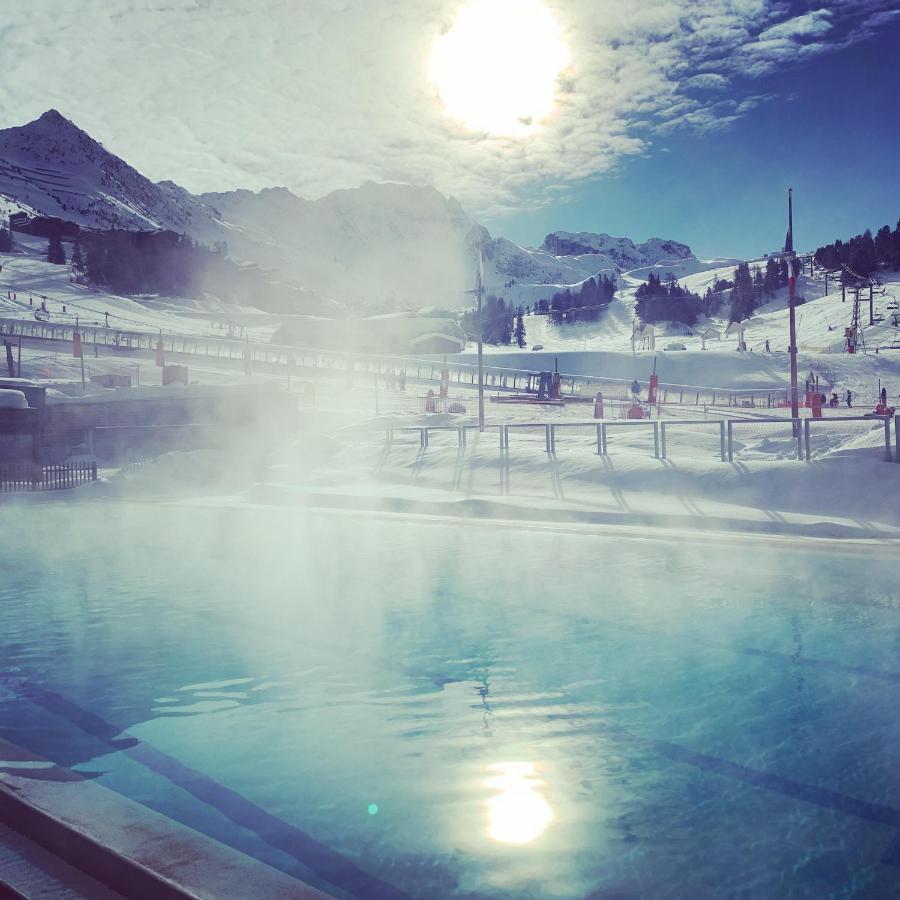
pixel 390 707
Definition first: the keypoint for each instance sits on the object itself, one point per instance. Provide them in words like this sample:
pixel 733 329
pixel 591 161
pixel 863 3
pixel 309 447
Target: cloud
pixel 325 94
pixel 812 24
pixel 709 81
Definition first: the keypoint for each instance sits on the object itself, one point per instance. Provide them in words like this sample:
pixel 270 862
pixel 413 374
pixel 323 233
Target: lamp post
pixel 790 257
pixel 478 291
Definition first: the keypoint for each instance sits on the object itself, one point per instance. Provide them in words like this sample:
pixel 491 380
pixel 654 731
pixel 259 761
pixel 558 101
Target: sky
pixel 684 120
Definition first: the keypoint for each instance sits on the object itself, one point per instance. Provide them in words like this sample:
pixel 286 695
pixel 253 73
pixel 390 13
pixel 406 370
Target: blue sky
pixel 837 142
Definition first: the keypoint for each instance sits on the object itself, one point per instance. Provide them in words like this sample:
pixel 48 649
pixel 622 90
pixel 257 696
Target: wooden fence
pixel 29 477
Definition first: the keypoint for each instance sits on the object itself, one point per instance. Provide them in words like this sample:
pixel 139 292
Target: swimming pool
pixel 392 707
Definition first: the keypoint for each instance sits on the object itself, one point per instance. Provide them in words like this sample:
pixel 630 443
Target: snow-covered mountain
pixel 385 245
pixel 54 167
pixel 621 252
pixel 379 245
pixel 565 260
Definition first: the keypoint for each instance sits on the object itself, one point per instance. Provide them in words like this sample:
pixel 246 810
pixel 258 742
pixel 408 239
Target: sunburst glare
pixel 496 70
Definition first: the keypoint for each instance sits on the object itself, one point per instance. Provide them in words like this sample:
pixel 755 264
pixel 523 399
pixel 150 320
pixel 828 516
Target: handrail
pixel 800 429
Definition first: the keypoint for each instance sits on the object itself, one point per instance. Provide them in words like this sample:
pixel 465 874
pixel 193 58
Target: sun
pixel 496 69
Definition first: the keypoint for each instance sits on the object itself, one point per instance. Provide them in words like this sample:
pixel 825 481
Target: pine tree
pixel 520 330
pixel 770 278
pixel 77 259
pixel 55 252
pixel 759 285
pixel 862 253
pixel 6 243
pixel 744 293
pixel 884 254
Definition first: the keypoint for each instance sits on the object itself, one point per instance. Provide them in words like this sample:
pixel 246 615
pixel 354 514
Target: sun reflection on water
pixel 518 812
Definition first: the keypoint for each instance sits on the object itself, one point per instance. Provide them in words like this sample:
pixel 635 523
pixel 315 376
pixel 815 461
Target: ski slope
pixel 26 275
pixel 605 346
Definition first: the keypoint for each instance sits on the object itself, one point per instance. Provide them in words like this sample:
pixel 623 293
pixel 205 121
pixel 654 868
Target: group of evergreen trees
pixel 160 262
pixel 751 287
pixel 667 301
pixel 498 322
pixel 863 253
pixel 6 243
pixel 583 305
pixel 55 251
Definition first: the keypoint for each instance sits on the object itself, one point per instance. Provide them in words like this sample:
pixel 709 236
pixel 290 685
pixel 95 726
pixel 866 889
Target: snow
pixel 27 273
pixel 10 399
pixel 604 347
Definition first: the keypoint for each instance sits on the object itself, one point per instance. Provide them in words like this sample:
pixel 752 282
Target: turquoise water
pixel 401 707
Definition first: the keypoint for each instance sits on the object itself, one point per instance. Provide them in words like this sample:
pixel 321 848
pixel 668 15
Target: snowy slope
pixel 604 347
pixel 54 167
pixel 26 275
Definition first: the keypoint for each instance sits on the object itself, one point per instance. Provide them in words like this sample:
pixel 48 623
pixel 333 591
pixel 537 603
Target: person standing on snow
pixel 635 389
pixel 849 399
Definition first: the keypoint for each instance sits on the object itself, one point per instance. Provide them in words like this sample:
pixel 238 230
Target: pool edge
pixel 124 845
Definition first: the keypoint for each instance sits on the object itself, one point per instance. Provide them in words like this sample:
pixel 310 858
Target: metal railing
pixel 797 435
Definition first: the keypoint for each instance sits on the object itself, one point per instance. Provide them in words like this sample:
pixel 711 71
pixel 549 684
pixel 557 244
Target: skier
pixel 635 389
pixel 884 397
pixel 849 399
pixel 833 402
pixel 767 346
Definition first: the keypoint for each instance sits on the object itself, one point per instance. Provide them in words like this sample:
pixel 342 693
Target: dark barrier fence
pixel 28 477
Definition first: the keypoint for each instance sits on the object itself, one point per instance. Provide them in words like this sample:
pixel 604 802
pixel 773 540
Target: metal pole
pixel 480 294
pixel 376 390
pixel 795 410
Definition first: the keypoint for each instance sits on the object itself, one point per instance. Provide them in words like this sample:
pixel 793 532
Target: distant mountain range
pixel 377 246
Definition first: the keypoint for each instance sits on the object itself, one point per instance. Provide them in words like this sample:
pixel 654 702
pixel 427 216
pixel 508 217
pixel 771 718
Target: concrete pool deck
pixel 73 833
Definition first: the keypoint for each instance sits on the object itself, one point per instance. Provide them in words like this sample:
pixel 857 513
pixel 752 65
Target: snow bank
pixel 10 399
